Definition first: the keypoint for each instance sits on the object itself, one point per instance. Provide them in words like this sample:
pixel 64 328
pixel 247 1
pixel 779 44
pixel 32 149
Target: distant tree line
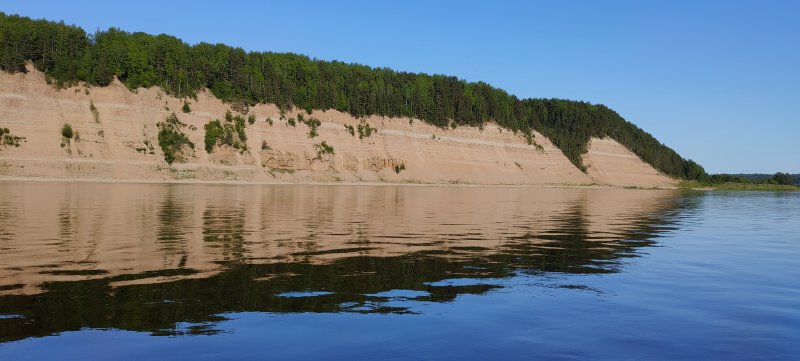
pixel 66 54
pixel 777 178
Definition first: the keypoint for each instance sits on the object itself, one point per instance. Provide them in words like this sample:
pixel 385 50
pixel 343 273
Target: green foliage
pixel 186 108
pixel 214 131
pixel 529 138
pixel 740 186
pixel 231 133
pixel 251 119
pixel 8 139
pixel 399 168
pixel 172 139
pixel 269 120
pixel 783 178
pixel 364 130
pixel 291 122
pixel 95 112
pixel 66 131
pixel 350 129
pixel 779 181
pixel 66 54
pixel 311 123
pixel 323 149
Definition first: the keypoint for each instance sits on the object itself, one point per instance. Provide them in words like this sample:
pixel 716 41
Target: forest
pixel 68 55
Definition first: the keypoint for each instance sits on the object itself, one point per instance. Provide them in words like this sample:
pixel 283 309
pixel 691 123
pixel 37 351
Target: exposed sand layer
pixel 609 162
pixel 122 145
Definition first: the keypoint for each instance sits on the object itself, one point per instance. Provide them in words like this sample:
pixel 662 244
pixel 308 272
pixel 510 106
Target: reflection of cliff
pixel 76 255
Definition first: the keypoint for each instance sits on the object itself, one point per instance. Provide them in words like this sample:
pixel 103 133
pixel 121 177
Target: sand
pixel 122 145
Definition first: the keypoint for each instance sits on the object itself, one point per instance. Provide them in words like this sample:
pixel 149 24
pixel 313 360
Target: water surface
pixel 132 271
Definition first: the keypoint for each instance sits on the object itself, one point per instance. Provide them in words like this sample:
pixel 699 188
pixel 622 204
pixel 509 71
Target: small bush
pixel 214 131
pixel 269 120
pixel 350 129
pixel 399 168
pixel 8 139
pixel 95 113
pixel 172 139
pixel 291 122
pixel 365 131
pixel 66 131
pixel 186 108
pixel 251 119
pixel 529 138
pixel 264 145
pixel 323 149
pixel 312 123
pixel 231 133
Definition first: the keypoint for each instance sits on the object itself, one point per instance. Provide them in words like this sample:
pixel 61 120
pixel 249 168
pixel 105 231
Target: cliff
pixel 119 141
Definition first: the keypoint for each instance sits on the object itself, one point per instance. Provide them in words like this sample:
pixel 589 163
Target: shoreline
pixel 5 179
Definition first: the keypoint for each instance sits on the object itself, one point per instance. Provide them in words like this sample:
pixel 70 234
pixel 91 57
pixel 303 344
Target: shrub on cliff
pixel 172 139
pixel 66 131
pixel 231 133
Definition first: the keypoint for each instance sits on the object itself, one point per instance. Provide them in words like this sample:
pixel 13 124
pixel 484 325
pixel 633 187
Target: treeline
pixel 777 178
pixel 66 54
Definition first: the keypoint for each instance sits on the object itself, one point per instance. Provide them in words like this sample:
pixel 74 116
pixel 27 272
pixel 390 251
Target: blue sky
pixel 718 81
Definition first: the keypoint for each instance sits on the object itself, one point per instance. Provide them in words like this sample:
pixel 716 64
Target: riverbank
pixel 114 135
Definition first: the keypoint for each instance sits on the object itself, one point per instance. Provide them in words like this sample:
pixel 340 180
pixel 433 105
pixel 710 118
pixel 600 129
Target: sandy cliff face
pixel 122 144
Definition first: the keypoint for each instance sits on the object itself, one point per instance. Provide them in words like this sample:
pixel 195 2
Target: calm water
pixel 137 272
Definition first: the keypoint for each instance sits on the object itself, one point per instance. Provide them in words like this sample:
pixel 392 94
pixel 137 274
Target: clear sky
pixel 718 81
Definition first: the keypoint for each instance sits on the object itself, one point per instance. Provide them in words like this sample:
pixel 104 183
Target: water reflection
pixel 174 259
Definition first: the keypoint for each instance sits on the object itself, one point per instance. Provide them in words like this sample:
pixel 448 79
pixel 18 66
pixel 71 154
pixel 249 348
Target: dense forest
pixel 67 54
